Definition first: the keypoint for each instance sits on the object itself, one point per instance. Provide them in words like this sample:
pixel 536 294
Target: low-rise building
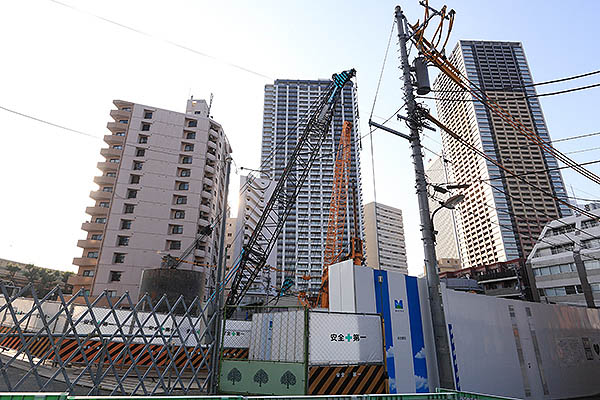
pixel 553 261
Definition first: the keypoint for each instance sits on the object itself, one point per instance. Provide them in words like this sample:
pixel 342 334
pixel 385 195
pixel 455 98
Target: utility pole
pixel 433 280
pixel 217 313
pixel 582 273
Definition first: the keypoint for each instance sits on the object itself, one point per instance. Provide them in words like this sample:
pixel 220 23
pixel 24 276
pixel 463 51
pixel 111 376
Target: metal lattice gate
pixel 105 346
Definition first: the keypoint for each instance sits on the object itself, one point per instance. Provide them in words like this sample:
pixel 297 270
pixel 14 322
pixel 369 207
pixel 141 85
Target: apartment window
pixel 134 179
pixel 126 108
pixel 145 127
pixel 123 121
pixel 125 224
pixel 190 135
pixel 174 244
pixel 129 208
pixel 111 293
pixel 131 193
pixel 183 186
pixel 107 189
pixel 114 160
pixel 88 272
pixel 140 152
pixel 143 139
pixel 100 220
pixel 92 254
pixel 137 165
pixel 188 147
pixel 147 114
pixel 111 174
pixel 180 200
pixel 96 236
pixel 104 204
pixel 192 123
pixel 118 258
pixel 120 134
pixel 176 229
pixel 117 147
pixel 186 160
pixel 122 240
pixel 178 214
pixel 185 172
pixel 115 276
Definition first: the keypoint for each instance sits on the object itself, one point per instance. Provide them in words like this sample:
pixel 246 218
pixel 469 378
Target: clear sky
pixel 66 66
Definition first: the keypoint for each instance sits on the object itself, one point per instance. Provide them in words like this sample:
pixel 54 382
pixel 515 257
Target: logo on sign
pixel 399 305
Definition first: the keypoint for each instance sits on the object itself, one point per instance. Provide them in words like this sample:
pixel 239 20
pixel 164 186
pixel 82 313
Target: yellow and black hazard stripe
pixel 347 380
pixel 237 353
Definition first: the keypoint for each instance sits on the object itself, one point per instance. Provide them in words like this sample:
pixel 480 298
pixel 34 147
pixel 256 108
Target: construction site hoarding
pixel 237 334
pixel 262 377
pixel 344 339
pixel 540 350
pixel 403 304
pixel 278 336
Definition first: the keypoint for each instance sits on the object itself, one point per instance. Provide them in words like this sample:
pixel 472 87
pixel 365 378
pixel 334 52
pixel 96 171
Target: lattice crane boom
pixel 260 243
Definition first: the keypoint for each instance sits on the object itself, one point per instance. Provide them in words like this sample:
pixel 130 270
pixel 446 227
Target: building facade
pixel 230 226
pixel 162 182
pixel 553 263
pixel 254 195
pixel 446 237
pixel 496 221
pixel 287 105
pixel 384 238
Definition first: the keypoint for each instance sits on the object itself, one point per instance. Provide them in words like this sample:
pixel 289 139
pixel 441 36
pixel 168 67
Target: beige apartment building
pixel 496 222
pixel 162 180
pixel 384 238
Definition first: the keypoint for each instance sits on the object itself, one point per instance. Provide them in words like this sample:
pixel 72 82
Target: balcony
pixel 89 244
pixel 110 152
pixel 107 166
pixel 211 145
pixel 115 127
pixel 207 195
pixel 100 195
pixel 96 211
pixel 80 280
pixel 85 262
pixel 208 181
pixel 92 227
pixel 199 253
pixel 105 180
pixel 204 208
pixel 122 103
pixel 210 156
pixel 120 114
pixel 209 170
pixel 114 139
pixel 203 218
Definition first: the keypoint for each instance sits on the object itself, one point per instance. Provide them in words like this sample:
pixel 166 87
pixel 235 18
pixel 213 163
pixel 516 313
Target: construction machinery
pixel 334 242
pixel 256 250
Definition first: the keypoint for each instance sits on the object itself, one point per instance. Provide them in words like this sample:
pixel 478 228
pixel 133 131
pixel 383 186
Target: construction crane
pixel 334 242
pixel 254 253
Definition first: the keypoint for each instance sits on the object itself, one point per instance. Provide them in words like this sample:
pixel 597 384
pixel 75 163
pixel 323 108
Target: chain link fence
pixel 124 347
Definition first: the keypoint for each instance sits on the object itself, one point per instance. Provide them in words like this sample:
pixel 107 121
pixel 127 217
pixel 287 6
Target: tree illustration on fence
pixel 261 377
pixel 288 379
pixel 234 376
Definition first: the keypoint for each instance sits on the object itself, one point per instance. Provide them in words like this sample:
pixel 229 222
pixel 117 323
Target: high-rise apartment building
pixel 384 238
pixel 286 108
pixel 162 182
pixel 444 222
pixel 230 226
pixel 254 195
pixel 497 220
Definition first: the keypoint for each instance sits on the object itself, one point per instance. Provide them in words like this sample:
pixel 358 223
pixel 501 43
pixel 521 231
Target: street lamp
pixel 450 203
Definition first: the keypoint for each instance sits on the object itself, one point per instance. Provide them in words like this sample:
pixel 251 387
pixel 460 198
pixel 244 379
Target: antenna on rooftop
pixel 210 105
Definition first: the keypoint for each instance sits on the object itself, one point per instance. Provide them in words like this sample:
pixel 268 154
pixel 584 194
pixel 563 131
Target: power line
pixel 576 137
pixel 51 123
pixel 576 89
pixel 582 151
pixel 172 43
pixel 542 171
pixel 568 78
